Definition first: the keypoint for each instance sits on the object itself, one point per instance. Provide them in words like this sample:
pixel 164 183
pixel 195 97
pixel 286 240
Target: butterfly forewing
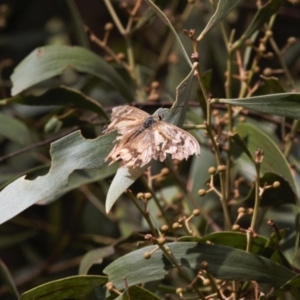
pixel 125 118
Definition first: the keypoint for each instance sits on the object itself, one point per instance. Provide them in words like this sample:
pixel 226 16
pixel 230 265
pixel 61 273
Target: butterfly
pixel 144 137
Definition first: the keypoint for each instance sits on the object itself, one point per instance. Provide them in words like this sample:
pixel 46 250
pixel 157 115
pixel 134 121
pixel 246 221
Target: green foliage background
pixel 64 65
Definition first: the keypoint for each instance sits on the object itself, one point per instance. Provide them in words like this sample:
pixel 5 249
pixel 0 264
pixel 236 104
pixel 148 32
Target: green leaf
pixel 223 262
pixel 262 16
pixel 164 18
pixel 293 286
pixel 7 279
pixel 206 79
pixel 73 152
pixel 78 178
pixel 137 293
pixel 270 85
pixel 238 240
pixel 236 138
pixel 284 104
pixel 59 96
pixel 78 24
pixel 49 61
pixel 11 240
pixel 94 256
pixel 75 287
pixel 223 9
pixel 274 161
pixel 14 130
pixel 273 196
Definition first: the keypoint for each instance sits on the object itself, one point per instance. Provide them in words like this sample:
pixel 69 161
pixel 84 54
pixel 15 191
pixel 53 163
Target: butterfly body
pixel 151 120
pixel 144 137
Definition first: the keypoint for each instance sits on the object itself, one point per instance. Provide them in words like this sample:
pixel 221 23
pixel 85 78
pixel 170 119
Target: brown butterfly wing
pixel 135 150
pixel 175 141
pixel 137 147
pixel 126 119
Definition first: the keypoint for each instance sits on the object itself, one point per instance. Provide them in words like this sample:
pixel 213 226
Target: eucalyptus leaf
pixel 14 130
pixel 73 152
pixel 78 24
pixel 59 96
pixel 49 61
pixel 274 160
pixel 283 104
pixel 223 9
pixel 164 18
pixel 283 194
pixel 262 16
pixel 75 287
pixel 7 279
pixel 238 240
pixel 94 256
pixel 137 293
pixel 222 262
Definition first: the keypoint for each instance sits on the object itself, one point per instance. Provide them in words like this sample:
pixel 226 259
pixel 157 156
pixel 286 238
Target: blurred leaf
pixel 273 196
pixel 75 287
pixel 206 79
pixel 223 9
pixel 242 144
pixel 148 16
pixel 49 61
pixel 270 85
pixel 94 256
pixel 237 240
pixel 7 279
pixel 14 130
pixel 125 177
pixel 274 160
pixel 78 25
pixel 59 96
pixel 262 16
pixel 78 178
pixel 223 262
pixel 260 245
pixel 137 293
pixel 285 104
pixel 73 152
pixel 16 238
pixel 292 285
pixel 164 18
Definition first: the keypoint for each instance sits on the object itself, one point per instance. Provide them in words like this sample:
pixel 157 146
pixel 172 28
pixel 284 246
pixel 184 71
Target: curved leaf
pixel 70 153
pixel 164 18
pixel 260 245
pixel 14 130
pixel 49 61
pixel 284 104
pixel 223 9
pixel 223 263
pixel 94 256
pixel 283 194
pixel 137 293
pixel 74 287
pixel 59 96
pixel 274 161
pixel 262 16
pixel 7 279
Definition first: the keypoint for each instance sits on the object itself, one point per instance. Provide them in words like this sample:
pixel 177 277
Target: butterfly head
pixel 151 120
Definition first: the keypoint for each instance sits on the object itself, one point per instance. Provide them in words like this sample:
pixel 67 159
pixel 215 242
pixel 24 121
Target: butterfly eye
pixel 160 117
